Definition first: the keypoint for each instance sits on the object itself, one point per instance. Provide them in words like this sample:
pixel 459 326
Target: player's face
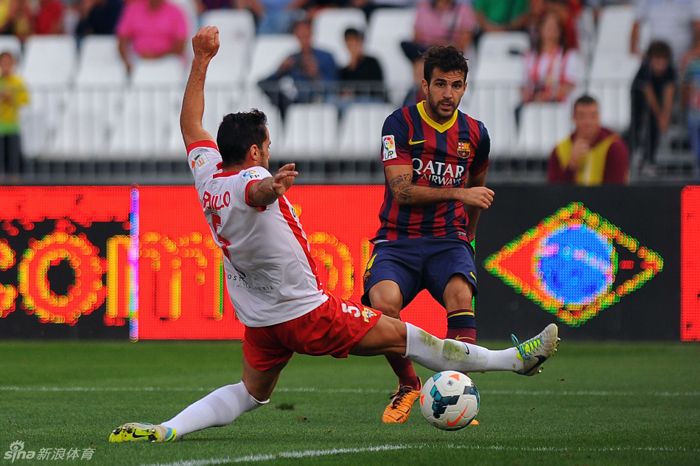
pixel 587 121
pixel 265 151
pixel 444 93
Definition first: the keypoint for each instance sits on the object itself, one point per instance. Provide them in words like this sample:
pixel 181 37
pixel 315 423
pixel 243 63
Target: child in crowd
pixel 653 91
pixel 13 95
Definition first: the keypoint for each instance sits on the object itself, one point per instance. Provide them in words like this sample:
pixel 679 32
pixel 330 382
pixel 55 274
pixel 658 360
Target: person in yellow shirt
pixel 13 95
pixel 593 155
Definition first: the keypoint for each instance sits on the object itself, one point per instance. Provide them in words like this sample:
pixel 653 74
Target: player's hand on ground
pixel 479 196
pixel 206 42
pixel 284 178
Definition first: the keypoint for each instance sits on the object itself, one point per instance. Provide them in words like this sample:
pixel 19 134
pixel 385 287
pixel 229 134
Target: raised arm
pixel 205 44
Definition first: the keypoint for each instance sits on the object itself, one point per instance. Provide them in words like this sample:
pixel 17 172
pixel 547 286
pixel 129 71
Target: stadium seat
pixel 614 30
pixel 329 31
pixel 542 126
pixel 166 71
pixel 502 45
pixel 237 34
pixel 268 53
pixel 311 132
pixel 361 130
pixel 151 111
pixel 387 28
pixel 189 8
pixel 48 69
pixel 100 62
pixel 85 131
pixel 610 82
pixel 49 60
pixel 95 104
pixel 144 130
pixel 493 98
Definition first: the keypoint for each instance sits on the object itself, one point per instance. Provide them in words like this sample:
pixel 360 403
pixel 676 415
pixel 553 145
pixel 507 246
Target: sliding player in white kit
pixel 272 279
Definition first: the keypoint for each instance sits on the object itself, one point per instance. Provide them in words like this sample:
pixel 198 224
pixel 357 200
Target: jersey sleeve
pixel 481 154
pixel 245 181
pixel 204 160
pixel 395 136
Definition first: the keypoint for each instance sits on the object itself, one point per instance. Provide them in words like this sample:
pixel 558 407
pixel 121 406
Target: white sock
pixel 219 408
pixel 440 355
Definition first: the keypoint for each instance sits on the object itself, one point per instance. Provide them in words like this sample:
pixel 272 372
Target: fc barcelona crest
pixel 464 150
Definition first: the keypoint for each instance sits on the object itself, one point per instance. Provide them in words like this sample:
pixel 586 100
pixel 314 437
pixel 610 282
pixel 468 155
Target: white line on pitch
pixel 338 451
pixel 13 388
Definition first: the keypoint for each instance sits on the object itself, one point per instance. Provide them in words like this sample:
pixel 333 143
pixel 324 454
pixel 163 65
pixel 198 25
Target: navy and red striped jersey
pixel 442 156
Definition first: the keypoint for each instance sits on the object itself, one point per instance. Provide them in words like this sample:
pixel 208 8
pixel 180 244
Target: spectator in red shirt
pixel 592 155
pixel 49 17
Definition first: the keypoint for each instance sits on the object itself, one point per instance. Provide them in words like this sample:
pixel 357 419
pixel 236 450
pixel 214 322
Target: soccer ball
pixel 449 400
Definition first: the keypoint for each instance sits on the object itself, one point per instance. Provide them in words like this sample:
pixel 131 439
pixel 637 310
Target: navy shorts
pixel 417 264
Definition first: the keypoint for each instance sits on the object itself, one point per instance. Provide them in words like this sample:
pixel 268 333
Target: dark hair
pixel 659 49
pixel 446 59
pixel 7 53
pixel 585 99
pixel 353 32
pixel 238 132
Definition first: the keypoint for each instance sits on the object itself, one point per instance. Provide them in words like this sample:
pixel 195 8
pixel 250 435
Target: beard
pixel 439 109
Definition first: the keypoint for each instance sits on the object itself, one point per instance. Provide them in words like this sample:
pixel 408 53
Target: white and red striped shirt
pixel 270 273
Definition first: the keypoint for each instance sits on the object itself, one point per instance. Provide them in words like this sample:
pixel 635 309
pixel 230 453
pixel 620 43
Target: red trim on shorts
pixel 203 143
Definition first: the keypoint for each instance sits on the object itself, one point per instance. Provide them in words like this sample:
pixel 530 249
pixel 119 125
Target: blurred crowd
pixel 663 93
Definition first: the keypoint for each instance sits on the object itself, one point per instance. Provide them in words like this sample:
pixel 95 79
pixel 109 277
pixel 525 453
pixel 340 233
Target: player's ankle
pixel 413 382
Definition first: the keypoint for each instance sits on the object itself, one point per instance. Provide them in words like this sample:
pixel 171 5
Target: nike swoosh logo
pixel 140 436
pixel 460 338
pixel 453 423
pixel 411 142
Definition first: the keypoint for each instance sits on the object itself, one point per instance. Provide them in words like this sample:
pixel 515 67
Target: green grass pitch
pixel 594 404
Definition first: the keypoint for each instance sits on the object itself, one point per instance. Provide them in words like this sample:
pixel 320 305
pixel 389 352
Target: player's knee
pixel 259 393
pixel 388 307
pixel 458 294
pixel 387 299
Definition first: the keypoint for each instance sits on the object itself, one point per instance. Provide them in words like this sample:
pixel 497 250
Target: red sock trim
pixel 403 368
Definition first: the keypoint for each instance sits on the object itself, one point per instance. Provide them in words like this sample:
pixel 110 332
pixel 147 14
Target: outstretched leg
pixel 393 336
pixel 219 408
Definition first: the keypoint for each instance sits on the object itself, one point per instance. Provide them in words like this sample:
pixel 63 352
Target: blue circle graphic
pixel 575 264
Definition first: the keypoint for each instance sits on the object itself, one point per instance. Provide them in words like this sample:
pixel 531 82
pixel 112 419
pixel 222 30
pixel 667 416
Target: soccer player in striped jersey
pixel 272 280
pixel 435 161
